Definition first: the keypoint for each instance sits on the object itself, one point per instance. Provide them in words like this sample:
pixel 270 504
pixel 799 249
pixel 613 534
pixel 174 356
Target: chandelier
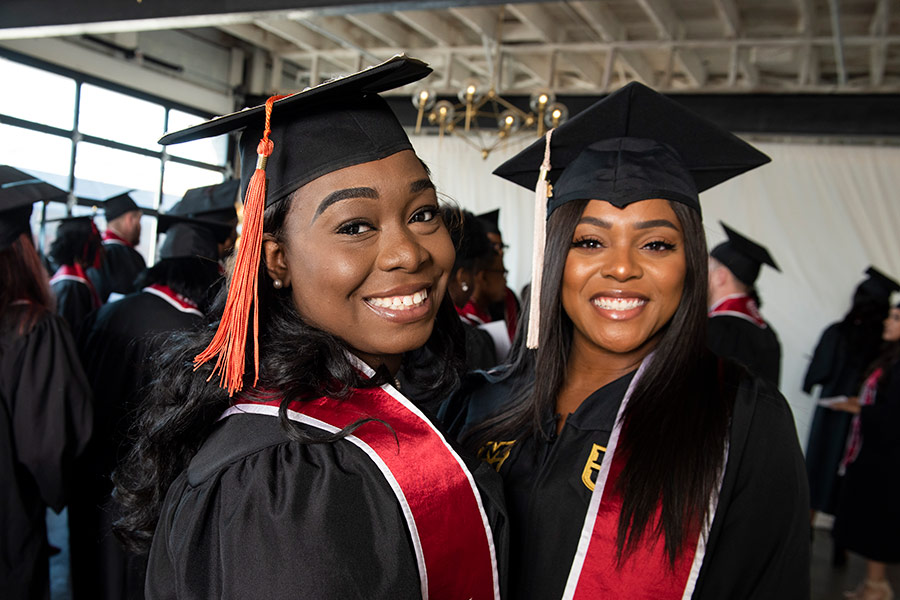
pixel 484 119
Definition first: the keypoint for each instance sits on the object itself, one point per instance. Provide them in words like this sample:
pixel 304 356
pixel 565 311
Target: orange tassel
pixel 229 343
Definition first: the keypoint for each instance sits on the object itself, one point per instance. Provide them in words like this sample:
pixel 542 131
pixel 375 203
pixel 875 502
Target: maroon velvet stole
pixel 450 533
pixel 645 574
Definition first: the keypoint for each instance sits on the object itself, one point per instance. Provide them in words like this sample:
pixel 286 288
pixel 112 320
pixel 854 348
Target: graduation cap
pixel 211 202
pixel 878 286
pixel 118 205
pixel 633 145
pixel 18 192
pixel 188 237
pixel 742 256
pixel 292 140
pixel 490 220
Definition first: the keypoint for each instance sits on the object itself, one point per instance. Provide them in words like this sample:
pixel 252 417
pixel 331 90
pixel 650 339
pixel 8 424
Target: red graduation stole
pixel 179 302
pixel 76 273
pixel 451 536
pixel 741 306
pixel 645 574
pixel 111 237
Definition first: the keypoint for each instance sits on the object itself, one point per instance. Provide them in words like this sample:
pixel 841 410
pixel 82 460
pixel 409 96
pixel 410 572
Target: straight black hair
pixel 675 404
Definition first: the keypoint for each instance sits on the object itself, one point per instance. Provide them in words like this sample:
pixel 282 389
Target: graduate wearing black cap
pixel 122 263
pixel 507 308
pixel 736 328
pixel 308 474
pixel 76 248
pixel 636 464
pixel 116 347
pixel 213 203
pixel 45 421
pixel 843 353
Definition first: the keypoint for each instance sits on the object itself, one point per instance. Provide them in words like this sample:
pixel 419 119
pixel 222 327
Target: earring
pixel 465 287
pixel 277 284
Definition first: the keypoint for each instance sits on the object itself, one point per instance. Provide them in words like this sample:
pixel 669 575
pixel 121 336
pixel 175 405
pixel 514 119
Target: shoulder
pixel 481 395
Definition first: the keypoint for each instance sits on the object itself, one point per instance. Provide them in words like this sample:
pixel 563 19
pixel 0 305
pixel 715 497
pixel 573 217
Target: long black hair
pixel 298 361
pixel 675 404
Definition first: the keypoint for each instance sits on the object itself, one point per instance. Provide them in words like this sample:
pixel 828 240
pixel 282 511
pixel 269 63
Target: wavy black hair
pixel 298 360
pixel 75 239
pixel 675 404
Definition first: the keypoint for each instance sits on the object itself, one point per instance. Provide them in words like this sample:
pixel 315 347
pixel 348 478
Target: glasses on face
pixel 499 247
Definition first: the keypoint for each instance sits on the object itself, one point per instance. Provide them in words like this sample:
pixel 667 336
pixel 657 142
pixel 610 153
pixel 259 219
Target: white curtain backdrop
pixel 826 212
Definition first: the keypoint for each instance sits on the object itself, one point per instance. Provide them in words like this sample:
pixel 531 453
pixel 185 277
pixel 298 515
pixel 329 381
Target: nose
pixel 401 249
pixel 620 264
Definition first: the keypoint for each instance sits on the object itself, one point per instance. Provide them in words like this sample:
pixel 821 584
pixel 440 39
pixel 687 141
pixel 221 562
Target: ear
pixel 276 263
pixel 463 276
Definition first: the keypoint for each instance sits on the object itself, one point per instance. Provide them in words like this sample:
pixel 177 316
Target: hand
pixel 851 405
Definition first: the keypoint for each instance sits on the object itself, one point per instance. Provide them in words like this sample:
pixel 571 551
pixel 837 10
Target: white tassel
pixel 541 193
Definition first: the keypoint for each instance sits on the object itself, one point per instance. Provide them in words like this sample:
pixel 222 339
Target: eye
pixel 587 242
pixel 659 246
pixel 425 214
pixel 354 228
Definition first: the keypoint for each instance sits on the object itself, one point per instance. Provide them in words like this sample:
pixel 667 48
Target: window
pixel 52 115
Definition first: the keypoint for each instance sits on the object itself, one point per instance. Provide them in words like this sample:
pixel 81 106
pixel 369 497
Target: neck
pixel 589 368
pixel 391 362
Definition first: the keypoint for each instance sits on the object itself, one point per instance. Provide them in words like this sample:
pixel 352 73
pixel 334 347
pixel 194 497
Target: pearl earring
pixel 465 287
pixel 277 284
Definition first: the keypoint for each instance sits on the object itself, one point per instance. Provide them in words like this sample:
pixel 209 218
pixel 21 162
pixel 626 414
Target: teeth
pixel 618 303
pixel 399 302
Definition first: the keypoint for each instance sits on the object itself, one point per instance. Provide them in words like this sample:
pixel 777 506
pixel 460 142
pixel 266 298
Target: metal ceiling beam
pixel 483 20
pixel 432 26
pixel 608 27
pixel 296 34
pixel 731 19
pixel 670 27
pixel 878 51
pixel 835 10
pixel 382 27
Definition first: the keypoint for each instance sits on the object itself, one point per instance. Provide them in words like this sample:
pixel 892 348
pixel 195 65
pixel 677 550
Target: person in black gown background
pixel 314 476
pixel 116 350
pixel 212 203
pixel 844 352
pixel 45 421
pixel 736 328
pixel 611 436
pixel 473 253
pixel 77 247
pixel 121 262
pixel 868 515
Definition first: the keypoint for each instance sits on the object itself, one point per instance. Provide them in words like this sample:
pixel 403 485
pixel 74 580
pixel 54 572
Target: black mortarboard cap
pixel 635 144
pixel 18 192
pixel 118 205
pixel 490 220
pixel 211 202
pixel 742 256
pixel 878 286
pixel 336 124
pixel 187 237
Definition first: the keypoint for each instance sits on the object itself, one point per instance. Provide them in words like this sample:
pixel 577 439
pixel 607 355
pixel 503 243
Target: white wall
pixel 825 212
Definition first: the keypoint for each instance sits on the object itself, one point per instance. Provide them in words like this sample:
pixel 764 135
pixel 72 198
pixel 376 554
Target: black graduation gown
pixel 115 347
pixel 45 423
pixel 257 515
pixel 758 546
pixel 868 515
pixel 837 368
pixel 121 266
pixel 755 347
pixel 74 302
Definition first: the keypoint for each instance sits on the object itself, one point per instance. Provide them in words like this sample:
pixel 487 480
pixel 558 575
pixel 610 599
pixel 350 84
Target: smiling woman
pixel 309 474
pixel 635 463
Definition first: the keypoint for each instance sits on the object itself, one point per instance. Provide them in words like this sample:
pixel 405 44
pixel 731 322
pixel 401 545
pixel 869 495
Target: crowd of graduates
pixel 352 402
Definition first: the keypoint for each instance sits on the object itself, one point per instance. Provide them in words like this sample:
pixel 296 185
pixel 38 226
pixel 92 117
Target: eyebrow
pixel 640 225
pixel 345 194
pixel 415 187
